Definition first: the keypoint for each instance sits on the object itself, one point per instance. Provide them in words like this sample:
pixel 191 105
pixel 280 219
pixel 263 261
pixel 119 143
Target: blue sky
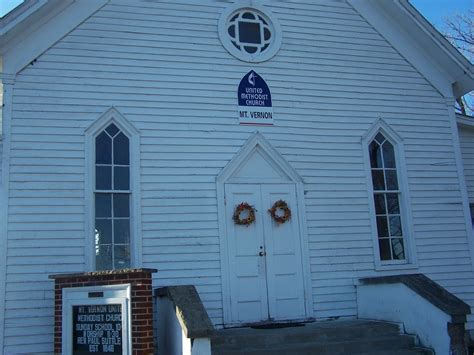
pixel 437 10
pixel 7 5
pixel 434 10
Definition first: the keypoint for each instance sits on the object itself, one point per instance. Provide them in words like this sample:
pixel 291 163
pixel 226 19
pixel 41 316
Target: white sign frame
pixel 112 294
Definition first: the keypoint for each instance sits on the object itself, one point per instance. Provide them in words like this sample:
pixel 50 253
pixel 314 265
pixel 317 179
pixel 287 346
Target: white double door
pixel 265 264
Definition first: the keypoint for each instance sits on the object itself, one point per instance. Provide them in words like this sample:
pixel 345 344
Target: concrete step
pixel 414 351
pixel 314 332
pixel 310 351
pixel 321 338
pixel 321 348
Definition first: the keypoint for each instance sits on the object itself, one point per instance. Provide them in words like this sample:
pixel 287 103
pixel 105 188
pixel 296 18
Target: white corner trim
pixel 391 135
pixel 404 43
pixel 112 115
pixel 4 199
pixel 23 48
pixel 453 120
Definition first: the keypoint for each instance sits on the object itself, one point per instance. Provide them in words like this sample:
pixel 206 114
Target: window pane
pixel 112 130
pixel 103 258
pixel 471 206
pixel 382 227
pixel 121 178
pixel 384 248
pixel 103 177
pixel 250 50
pixel 103 231
pixel 393 204
pixel 378 180
pixel 249 15
pixel 103 205
pixel 122 231
pixel 121 256
pixel 231 31
pixel 398 250
pixel 249 32
pixel 266 34
pixel 395 226
pixel 379 200
pixel 121 205
pixel 103 149
pixel 388 155
pixel 392 182
pixel 375 155
pixel 121 150
pixel 380 138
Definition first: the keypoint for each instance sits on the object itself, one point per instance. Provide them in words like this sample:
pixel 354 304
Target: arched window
pixel 112 197
pixel 387 199
pixel 113 226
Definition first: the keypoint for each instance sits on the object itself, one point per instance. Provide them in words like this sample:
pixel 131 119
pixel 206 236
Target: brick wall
pixel 141 302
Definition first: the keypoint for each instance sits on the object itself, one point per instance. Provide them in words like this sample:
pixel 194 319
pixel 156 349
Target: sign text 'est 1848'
pixel 255 101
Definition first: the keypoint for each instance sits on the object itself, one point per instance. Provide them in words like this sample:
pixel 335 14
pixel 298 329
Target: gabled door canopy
pixel 272 167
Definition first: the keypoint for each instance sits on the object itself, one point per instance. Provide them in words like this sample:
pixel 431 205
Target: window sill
pixel 395 266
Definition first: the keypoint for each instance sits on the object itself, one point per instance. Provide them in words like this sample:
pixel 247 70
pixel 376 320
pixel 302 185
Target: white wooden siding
pixel 1 158
pixel 1 108
pixel 466 138
pixel 162 65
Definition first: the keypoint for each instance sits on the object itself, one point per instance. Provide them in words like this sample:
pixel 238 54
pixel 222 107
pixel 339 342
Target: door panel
pixel 284 264
pixel 268 286
pixel 247 269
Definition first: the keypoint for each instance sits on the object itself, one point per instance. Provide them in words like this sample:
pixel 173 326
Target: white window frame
pixel 251 6
pixel 404 197
pixel 112 115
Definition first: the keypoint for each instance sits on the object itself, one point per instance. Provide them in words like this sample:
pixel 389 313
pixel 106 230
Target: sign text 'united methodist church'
pixel 255 101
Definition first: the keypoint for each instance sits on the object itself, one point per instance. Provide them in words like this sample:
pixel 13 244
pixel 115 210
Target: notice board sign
pixel 96 320
pixel 97 329
pixel 255 101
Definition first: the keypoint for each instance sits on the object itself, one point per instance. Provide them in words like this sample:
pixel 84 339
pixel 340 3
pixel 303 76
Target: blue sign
pixel 255 100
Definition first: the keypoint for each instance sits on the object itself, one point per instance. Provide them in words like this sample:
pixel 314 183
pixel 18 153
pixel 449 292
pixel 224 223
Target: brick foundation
pixel 141 302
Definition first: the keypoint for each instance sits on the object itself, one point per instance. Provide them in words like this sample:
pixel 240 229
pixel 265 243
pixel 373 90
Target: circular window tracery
pixel 249 33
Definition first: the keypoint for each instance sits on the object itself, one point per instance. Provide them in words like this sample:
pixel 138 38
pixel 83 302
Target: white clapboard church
pixel 299 162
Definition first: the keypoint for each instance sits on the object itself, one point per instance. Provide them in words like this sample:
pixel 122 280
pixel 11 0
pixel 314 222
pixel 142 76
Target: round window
pixel 249 34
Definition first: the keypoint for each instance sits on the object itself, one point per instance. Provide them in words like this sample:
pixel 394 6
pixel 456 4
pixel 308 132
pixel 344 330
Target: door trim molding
pixel 258 141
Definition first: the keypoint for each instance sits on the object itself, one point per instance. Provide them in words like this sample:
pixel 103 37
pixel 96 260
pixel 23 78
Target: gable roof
pixel 420 43
pixel 447 55
pixel 36 25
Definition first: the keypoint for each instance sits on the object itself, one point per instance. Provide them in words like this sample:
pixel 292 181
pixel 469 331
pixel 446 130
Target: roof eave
pixel 464 120
pixel 16 21
pixel 440 49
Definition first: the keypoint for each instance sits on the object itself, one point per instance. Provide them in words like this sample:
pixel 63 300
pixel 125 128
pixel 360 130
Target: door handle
pixel 262 253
